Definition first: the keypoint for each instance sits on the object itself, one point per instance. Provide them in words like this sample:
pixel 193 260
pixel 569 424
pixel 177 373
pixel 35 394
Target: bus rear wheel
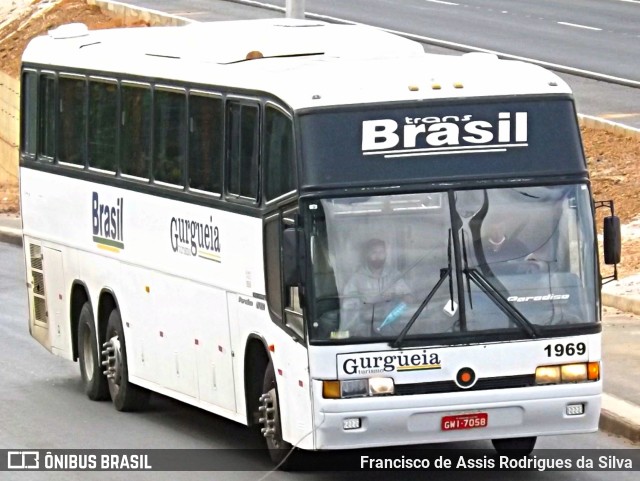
pixel 279 449
pixel 93 379
pixel 125 396
pixel 515 446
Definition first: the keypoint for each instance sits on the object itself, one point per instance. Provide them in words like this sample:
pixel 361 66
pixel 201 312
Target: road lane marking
pixel 442 2
pixel 579 26
pixel 614 116
pixel 631 1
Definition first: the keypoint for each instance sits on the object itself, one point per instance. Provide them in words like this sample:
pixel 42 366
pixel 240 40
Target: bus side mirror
pixel 612 240
pixel 292 256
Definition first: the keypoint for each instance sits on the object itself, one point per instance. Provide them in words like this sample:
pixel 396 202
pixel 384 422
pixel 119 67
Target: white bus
pixel 314 229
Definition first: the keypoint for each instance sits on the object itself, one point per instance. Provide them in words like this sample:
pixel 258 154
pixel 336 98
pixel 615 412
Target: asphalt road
pixel 482 24
pixel 43 407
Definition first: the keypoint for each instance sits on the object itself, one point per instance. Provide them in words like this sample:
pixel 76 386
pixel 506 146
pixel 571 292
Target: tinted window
pixel 73 120
pixel 272 266
pixel 206 128
pixel 47 116
pixel 29 111
pixel 170 137
pixel 243 150
pixel 278 151
pixel 103 125
pixel 136 131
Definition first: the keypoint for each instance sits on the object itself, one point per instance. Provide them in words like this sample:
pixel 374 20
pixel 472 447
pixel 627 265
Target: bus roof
pixel 304 63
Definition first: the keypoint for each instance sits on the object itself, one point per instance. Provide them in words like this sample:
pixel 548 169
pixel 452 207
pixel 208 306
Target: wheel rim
pixel 87 351
pixel 113 363
pixel 270 419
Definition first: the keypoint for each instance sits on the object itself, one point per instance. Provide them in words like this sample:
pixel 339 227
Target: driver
pixel 373 291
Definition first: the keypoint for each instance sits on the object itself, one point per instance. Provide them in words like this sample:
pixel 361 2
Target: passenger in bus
pixel 372 293
pixel 500 246
pixel 505 254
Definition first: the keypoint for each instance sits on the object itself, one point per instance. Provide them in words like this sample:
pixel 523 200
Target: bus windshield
pixel 452 263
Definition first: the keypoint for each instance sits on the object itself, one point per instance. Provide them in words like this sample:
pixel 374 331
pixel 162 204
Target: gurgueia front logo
pixel 378 363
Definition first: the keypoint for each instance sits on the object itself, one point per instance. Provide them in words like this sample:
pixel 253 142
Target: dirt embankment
pixel 612 160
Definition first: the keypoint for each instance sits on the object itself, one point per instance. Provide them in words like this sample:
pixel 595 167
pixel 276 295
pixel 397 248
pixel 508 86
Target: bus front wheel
pixel 515 446
pixel 279 449
pixel 125 396
pixel 93 379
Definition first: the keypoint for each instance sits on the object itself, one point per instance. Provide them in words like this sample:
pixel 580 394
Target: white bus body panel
pixel 176 301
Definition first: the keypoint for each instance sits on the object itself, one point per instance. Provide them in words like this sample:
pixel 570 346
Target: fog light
pixel 380 385
pixel 351 423
pixel 548 375
pixel 575 409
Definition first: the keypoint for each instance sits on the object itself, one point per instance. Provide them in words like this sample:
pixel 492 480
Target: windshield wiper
pixel 444 273
pixel 496 296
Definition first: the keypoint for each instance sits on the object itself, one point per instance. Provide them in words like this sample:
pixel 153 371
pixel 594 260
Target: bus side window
pixel 73 120
pixel 278 154
pixel 135 128
pixel 282 300
pixel 29 128
pixel 47 117
pixel 206 130
pixel 243 150
pixel 103 126
pixel 170 136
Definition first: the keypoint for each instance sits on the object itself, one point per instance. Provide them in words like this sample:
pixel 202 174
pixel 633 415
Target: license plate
pixel 465 421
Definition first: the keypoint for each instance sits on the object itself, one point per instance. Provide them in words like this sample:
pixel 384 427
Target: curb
pixel 622 303
pixel 620 417
pixel 10 235
pixel 608 126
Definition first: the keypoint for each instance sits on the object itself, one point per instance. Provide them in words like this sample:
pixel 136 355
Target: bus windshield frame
pixel 454 266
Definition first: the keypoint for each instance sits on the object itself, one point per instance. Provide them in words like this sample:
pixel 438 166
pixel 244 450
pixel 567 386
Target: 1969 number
pixel 570 349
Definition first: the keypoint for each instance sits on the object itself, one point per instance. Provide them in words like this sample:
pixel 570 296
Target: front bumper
pixel 416 419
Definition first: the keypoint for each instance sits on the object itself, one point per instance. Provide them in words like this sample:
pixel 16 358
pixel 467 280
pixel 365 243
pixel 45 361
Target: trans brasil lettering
pixel 411 361
pixel 194 238
pixel 419 135
pixel 107 222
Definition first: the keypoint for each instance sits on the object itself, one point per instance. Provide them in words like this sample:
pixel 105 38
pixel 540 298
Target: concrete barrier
pixel 131 14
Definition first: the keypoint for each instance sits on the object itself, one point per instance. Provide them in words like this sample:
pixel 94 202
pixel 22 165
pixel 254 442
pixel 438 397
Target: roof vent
pixel 70 30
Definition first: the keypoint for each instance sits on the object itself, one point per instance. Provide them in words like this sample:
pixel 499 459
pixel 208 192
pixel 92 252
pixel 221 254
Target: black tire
pixel 125 396
pixel 515 446
pixel 279 449
pixel 93 379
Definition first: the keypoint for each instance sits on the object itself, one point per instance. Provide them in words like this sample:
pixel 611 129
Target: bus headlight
pixel 354 388
pixel 574 372
pixel 568 373
pixel 548 375
pixel 375 386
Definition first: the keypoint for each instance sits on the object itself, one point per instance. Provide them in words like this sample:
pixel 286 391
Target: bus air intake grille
pixel 35 252
pixel 508 382
pixel 40 310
